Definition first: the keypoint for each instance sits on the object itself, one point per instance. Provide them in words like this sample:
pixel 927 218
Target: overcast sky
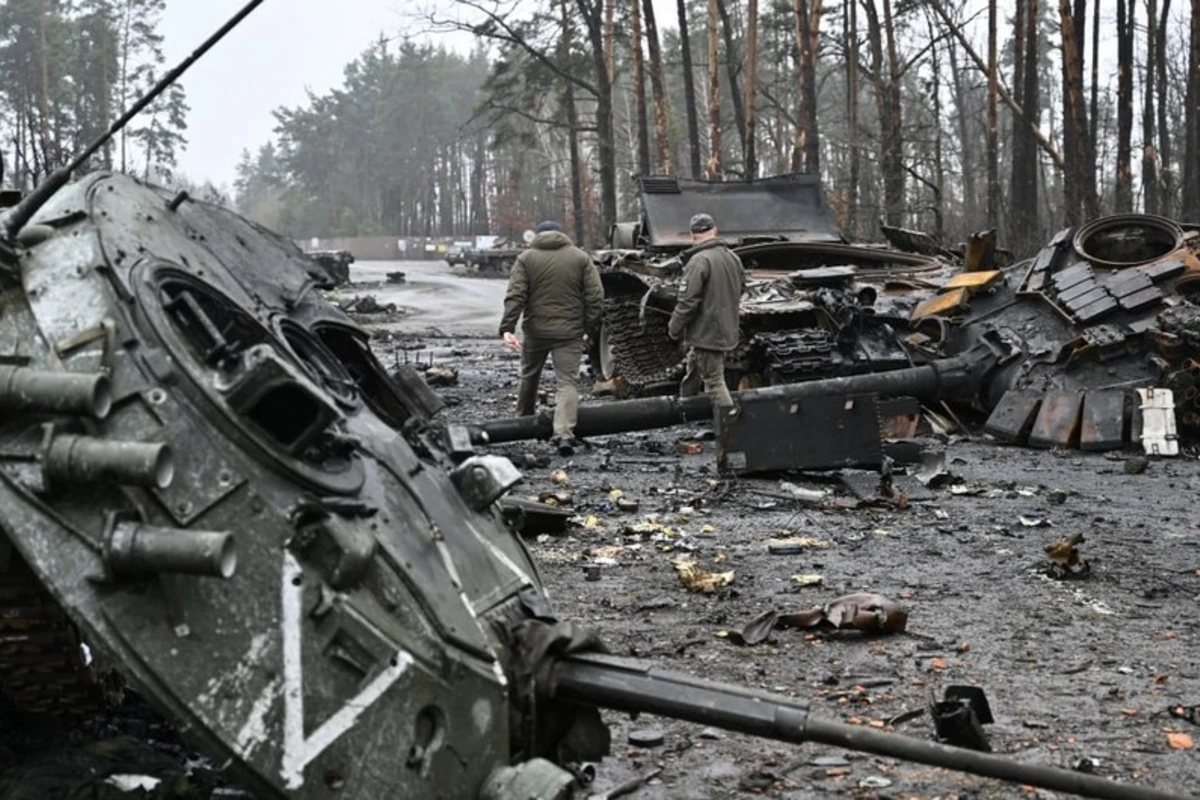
pixel 284 48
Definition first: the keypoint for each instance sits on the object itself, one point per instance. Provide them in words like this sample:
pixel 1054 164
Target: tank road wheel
pixel 43 669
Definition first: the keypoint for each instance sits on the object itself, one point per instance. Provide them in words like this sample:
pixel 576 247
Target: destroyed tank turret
pixel 816 306
pixel 203 466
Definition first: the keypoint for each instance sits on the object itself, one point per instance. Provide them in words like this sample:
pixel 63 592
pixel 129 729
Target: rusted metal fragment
pixel 1012 419
pixel 974 282
pixel 1057 423
pixel 899 417
pixel 981 251
pixel 1065 560
pixel 941 305
pixel 870 613
pixel 1102 424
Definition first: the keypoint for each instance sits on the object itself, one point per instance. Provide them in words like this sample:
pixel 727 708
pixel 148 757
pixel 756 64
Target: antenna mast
pixel 24 211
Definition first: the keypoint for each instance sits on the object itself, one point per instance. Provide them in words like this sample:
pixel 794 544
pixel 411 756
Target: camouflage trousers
pixel 567 356
pixel 706 369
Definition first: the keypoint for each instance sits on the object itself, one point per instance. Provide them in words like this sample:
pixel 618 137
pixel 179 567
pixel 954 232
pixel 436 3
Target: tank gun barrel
pixel 931 381
pixel 623 686
pixel 24 211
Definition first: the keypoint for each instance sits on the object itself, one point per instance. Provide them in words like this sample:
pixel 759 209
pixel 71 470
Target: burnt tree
pixel 1025 227
pixel 658 83
pixel 1125 24
pixel 713 168
pixel 751 91
pixel 993 139
pixel 731 72
pixel 689 89
pixel 807 154
pixel 1149 153
pixel 639 87
pixel 1191 150
pixel 1079 178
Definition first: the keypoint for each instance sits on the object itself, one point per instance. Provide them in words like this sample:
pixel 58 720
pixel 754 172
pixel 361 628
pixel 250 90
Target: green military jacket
pixel 557 289
pixel 706 315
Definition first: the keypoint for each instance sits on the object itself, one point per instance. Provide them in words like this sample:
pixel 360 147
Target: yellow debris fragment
pixel 699 580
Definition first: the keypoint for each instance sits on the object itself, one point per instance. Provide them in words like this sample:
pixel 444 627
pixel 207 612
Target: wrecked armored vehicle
pixel 1092 344
pixel 815 306
pixel 336 264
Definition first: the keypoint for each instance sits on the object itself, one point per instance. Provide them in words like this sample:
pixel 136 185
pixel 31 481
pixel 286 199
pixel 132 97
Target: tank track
pixel 646 358
pixel 42 669
pixel 795 356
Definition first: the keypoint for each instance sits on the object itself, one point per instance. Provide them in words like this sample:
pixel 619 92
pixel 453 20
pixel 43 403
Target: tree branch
pixel 1045 143
pixel 510 35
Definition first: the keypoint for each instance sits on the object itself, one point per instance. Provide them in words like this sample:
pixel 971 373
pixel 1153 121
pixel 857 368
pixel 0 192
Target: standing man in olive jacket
pixel 706 315
pixel 557 288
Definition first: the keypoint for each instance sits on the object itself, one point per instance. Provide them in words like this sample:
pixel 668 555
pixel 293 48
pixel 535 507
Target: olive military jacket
pixel 557 288
pixel 706 315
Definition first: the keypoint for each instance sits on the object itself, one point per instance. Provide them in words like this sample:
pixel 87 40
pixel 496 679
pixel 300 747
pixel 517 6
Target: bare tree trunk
pixel 577 213
pixel 751 88
pixel 808 142
pixel 44 89
pixel 713 170
pixel 1080 177
pixel 1149 154
pixel 1026 221
pixel 1125 24
pixel 662 114
pixel 939 168
pixel 892 124
pixel 592 12
pixel 731 71
pixel 689 89
pixel 966 142
pixel 1081 17
pixel 1191 159
pixel 610 38
pixel 993 141
pixel 639 87
pixel 850 11
pixel 1166 176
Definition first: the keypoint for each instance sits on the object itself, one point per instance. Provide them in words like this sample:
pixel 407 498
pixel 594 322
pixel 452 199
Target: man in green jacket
pixel 706 315
pixel 557 288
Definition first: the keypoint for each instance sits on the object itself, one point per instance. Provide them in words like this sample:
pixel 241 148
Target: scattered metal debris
pixel 1065 559
pixel 869 613
pixel 960 716
pixel 699 580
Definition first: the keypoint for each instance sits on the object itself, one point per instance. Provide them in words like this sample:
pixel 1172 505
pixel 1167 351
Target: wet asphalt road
pixel 434 297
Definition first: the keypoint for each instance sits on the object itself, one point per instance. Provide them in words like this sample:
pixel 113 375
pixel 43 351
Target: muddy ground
pixel 1078 672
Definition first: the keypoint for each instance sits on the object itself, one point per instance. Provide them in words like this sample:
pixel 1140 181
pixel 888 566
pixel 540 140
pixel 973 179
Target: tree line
pixel 946 115
pixel 68 68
